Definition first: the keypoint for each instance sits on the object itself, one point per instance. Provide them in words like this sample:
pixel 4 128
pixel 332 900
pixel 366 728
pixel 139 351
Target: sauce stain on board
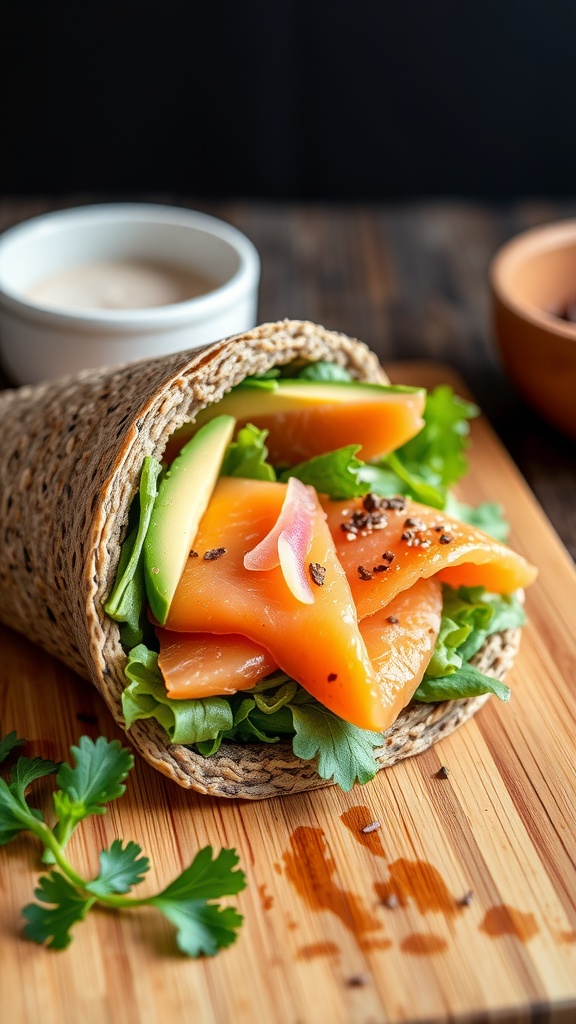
pixel 420 881
pixel 358 818
pixel 565 936
pixel 505 920
pixel 318 949
pixel 419 944
pixel 310 869
pixel 265 898
pixel 374 942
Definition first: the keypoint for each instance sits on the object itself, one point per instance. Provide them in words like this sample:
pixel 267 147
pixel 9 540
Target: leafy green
pixel 95 780
pixel 7 745
pixel 337 473
pixel 482 613
pixel 488 516
pixel 466 681
pixel 442 444
pixel 185 721
pixel 65 898
pixel 126 602
pixel 344 752
pixel 276 708
pixel 203 927
pixel 247 455
pixel 120 869
pixel 13 819
pixel 15 814
pixel 432 461
pixel 323 371
pixel 62 906
pixel 279 708
pixel 207 879
pixel 469 616
pixel 391 476
pixel 26 771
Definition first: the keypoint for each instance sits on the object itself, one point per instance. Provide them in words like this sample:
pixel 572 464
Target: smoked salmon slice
pixel 379 420
pixel 399 639
pixel 383 561
pixel 386 544
pixel 205 665
pixel 318 644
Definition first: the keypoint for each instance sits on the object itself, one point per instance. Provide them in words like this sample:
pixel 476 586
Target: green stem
pixel 59 858
pixel 122 902
pixel 62 833
pixel 52 844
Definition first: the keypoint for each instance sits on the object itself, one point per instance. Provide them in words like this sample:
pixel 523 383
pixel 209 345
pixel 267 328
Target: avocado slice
pixel 179 506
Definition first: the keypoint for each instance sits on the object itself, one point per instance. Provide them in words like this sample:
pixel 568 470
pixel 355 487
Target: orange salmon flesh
pixel 362 647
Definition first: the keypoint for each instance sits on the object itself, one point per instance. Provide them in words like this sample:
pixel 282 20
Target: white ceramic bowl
pixel 39 341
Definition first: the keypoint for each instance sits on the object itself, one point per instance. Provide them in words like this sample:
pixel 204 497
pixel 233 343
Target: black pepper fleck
pixel 317 573
pixel 193 554
pixel 332 677
pixel 213 554
pixel 393 619
pixel 443 772
pixel 446 538
pixel 363 573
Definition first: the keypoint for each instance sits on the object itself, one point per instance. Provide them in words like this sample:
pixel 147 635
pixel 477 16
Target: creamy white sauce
pixel 121 285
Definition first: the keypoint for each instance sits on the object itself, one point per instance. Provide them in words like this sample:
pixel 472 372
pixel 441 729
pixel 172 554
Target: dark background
pixel 289 99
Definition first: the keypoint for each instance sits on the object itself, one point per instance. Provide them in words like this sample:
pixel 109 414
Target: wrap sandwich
pixel 71 468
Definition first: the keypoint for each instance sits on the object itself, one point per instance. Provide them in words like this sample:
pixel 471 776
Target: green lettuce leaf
pixel 337 474
pixel 277 708
pixel 442 444
pixel 469 616
pixel 432 461
pixel 390 476
pixel 323 371
pixel 464 682
pixel 308 371
pixel 488 516
pixel 185 721
pixel 247 455
pixel 126 603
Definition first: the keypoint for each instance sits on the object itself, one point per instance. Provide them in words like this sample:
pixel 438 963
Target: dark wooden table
pixel 411 281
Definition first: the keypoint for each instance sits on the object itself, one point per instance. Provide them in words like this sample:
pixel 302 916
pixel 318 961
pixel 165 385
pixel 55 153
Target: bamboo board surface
pixel 319 941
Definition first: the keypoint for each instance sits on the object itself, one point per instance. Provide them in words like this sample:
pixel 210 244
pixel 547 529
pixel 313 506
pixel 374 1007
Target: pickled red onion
pixel 289 541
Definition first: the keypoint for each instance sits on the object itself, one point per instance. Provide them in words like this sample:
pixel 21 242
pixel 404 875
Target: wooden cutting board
pixel 322 941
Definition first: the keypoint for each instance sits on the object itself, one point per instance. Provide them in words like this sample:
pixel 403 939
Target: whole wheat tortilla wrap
pixel 70 462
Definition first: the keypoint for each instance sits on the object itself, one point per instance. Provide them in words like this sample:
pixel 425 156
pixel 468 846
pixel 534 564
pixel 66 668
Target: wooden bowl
pixel 533 283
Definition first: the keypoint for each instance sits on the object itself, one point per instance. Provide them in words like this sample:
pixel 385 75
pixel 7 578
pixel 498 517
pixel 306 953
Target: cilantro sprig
pixel 64 897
